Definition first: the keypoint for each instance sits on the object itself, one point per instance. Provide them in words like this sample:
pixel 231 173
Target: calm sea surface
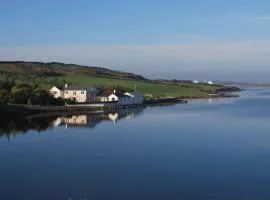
pixel 206 149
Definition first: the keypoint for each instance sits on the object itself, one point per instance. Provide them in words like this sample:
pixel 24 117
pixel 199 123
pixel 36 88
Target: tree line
pixel 12 91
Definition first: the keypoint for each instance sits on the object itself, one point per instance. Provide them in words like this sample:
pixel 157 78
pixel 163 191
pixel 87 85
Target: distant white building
pixel 195 81
pixel 210 82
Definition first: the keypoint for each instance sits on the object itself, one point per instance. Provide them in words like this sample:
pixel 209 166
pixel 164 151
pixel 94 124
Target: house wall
pixel 56 92
pixel 110 98
pixel 128 99
pixel 77 95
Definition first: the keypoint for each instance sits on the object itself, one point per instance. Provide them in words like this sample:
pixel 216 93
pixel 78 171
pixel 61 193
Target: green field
pixel 145 87
pixel 47 74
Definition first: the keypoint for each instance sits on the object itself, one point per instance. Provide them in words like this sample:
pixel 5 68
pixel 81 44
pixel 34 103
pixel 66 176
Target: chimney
pixel 114 91
pixel 66 85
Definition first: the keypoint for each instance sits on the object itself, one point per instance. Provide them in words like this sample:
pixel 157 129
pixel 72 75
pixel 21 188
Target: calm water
pixel 206 149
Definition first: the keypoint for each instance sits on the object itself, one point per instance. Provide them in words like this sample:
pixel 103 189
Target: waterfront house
pixel 117 97
pixel 80 93
pixel 120 98
pixel 110 96
pixel 77 93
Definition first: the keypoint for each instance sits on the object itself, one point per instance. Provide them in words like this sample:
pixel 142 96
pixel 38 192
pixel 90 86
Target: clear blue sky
pixel 32 23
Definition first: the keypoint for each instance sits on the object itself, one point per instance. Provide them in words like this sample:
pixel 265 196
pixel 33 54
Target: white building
pixel 210 82
pixel 77 93
pixel 56 92
pixel 109 96
pixel 128 98
pixel 195 81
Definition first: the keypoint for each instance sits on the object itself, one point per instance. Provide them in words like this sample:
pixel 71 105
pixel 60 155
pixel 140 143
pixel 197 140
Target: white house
pixel 210 82
pixel 108 96
pixel 119 99
pixel 77 93
pixel 195 81
pixel 128 98
pixel 56 92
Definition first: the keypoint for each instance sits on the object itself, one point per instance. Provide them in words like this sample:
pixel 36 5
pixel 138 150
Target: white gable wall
pixel 56 92
pixel 76 95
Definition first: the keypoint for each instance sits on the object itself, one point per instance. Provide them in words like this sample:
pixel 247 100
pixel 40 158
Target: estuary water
pixel 206 149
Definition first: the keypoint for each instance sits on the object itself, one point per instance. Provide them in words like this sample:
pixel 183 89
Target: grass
pixel 145 87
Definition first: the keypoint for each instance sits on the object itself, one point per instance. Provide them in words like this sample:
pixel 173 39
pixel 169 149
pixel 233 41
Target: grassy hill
pixel 54 69
pixel 147 88
pixel 46 74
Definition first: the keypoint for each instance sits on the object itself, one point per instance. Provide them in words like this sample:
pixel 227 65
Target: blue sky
pixel 171 39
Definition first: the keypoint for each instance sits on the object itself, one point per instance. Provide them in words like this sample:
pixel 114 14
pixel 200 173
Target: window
pixel 66 92
pixel 82 92
pixel 74 93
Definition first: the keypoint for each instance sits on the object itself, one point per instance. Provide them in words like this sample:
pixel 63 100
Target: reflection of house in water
pixel 76 120
pixel 91 120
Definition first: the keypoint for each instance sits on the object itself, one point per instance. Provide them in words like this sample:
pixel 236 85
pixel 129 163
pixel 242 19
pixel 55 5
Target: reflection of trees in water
pixel 14 125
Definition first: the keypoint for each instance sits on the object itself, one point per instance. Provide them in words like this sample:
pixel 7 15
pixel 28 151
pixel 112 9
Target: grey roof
pixel 79 87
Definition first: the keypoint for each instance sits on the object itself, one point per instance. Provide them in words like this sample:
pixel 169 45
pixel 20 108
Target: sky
pixel 203 40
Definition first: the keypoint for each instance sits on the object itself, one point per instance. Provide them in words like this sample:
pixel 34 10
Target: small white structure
pixel 195 81
pixel 210 83
pixel 113 97
pixel 128 98
pixel 56 92
pixel 110 97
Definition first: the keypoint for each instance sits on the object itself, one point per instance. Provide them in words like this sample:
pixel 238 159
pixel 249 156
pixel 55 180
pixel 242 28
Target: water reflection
pixel 92 120
pixel 14 125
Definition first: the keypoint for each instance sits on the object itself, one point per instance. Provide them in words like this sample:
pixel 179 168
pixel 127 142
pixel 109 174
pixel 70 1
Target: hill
pixel 49 74
pixel 61 69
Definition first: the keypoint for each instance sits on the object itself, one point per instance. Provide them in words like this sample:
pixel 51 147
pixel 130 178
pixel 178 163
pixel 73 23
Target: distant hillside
pixel 61 69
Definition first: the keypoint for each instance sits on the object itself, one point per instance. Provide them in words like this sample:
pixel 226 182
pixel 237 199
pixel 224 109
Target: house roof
pixel 59 88
pixel 107 93
pixel 79 87
pixel 134 93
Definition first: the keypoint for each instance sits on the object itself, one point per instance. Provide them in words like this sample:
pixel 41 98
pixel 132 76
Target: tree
pixel 4 95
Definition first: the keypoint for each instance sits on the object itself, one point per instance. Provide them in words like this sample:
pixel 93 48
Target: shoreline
pixel 21 110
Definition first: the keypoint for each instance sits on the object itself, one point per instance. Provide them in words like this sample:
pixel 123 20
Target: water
pixel 217 149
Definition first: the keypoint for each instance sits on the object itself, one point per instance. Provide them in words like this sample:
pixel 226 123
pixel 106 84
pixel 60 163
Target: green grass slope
pixel 146 87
